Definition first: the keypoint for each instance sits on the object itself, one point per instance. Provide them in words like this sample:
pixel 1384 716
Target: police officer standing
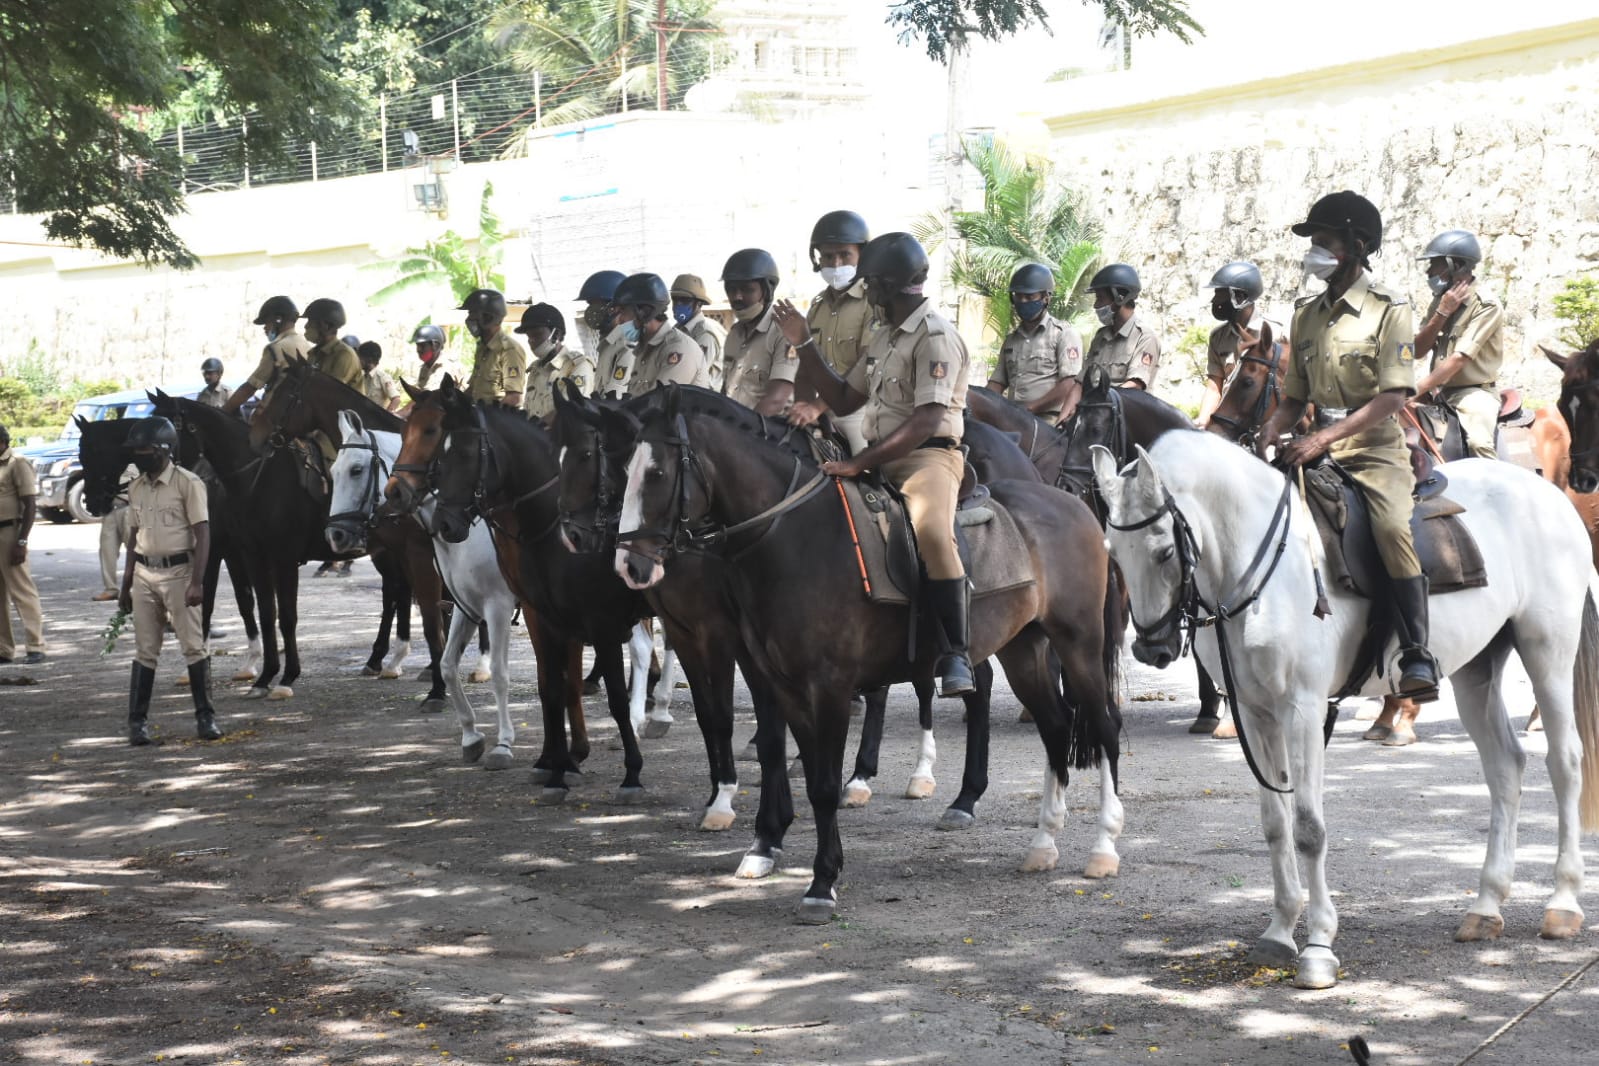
pixel 376 383
pixel 1461 335
pixel 215 394
pixel 1354 358
pixel 603 336
pixel 1127 352
pixel 664 354
pixel 839 317
pixel 429 341
pixel 499 371
pixel 761 366
pixel 912 384
pixel 689 300
pixel 168 542
pixel 1235 302
pixel 1041 354
pixel 553 362
pixel 277 319
pixel 18 493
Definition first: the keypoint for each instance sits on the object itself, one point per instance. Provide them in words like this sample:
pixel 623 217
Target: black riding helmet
pixel 328 312
pixel 1032 277
pixel 1243 279
pixel 277 307
pixel 543 315
pixel 600 286
pixel 1348 214
pixel 897 259
pixel 157 432
pixel 1120 280
pixel 428 334
pixel 752 264
pixel 837 227
pixel 486 303
pixel 212 365
pixel 644 290
pixel 1457 245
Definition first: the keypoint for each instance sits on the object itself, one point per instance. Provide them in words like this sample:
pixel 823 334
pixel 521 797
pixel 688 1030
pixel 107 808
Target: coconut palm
pixel 451 262
pixel 1025 218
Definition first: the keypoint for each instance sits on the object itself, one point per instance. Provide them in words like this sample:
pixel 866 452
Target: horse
pixel 105 460
pixel 303 401
pixel 1579 399
pixel 1202 528
pixel 469 570
pixel 714 472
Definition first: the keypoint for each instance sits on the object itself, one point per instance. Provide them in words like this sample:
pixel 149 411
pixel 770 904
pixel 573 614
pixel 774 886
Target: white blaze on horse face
pixel 628 563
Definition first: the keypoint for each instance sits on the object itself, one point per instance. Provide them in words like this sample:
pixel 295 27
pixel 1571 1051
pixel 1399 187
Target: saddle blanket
pixel 995 554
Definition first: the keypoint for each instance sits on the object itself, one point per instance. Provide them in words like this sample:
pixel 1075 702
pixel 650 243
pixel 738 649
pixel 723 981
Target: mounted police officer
pixel 1461 336
pixel 839 317
pixel 215 394
pixel 689 301
pixel 1127 352
pixel 553 362
pixel 499 371
pixel 1354 358
pixel 162 584
pixel 761 366
pixel 912 385
pixel 663 354
pixel 323 320
pixel 1041 355
pixel 603 336
pixel 277 319
pixel 376 383
pixel 429 341
pixel 1235 302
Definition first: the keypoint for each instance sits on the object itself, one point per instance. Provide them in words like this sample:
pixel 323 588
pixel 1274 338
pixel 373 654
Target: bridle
pixel 1188 603
pixel 1078 478
pixel 291 386
pixel 483 490
pixel 605 507
pixel 1269 397
pixel 377 474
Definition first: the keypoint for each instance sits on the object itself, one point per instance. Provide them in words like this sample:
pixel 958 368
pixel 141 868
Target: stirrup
pixel 1418 679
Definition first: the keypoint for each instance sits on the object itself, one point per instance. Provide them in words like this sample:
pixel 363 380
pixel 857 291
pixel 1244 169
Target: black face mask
pixel 148 464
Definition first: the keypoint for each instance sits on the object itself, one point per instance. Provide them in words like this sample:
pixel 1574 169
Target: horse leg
pixel 775 812
pixel 858 792
pixel 574 701
pixel 1209 716
pixel 1276 947
pixel 288 624
pixel 659 705
pixel 1383 727
pixel 622 706
pixel 394 666
pixel 974 777
pixel 821 731
pixel 380 646
pixel 497 617
pixel 423 577
pixel 641 647
pixel 263 578
pixel 551 649
pixel 922 784
pixel 1318 966
pixel 482 671
pixel 709 670
pixel 208 591
pixel 244 597
pixel 1027 665
pixel 472 742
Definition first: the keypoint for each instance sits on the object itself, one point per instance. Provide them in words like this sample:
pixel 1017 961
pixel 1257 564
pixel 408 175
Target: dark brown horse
pixel 716 472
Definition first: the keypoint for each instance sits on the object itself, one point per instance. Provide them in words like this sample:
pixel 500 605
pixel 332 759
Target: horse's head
pixel 595 441
pixel 282 413
pixel 1251 397
pixel 420 442
pixel 667 494
pixel 1579 405
pixel 1155 550
pixel 464 466
pixel 104 460
pixel 1097 421
pixel 358 473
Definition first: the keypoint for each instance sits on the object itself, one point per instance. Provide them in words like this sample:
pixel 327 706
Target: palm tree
pixel 1025 218
pixel 600 54
pixel 447 263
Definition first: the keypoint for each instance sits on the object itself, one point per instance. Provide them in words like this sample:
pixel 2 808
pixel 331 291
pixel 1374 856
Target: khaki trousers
pixel 16 586
pixel 1478 409
pixel 158 599
pixel 1379 461
pixel 930 479
pixel 113 535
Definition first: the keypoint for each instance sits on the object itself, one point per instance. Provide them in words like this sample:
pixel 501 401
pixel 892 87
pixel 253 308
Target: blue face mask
pixel 1028 310
pixel 630 332
pixel 683 312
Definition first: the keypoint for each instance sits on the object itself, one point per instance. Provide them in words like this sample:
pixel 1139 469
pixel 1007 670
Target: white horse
pixel 1197 512
pixel 471 572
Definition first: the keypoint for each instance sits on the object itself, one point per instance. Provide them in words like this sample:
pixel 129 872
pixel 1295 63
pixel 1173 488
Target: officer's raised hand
pixel 795 329
pixel 1454 296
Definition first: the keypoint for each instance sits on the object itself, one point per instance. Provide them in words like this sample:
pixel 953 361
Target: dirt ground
pixel 331 885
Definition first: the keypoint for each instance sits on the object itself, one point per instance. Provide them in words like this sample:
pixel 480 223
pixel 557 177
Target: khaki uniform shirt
pixel 757 354
pixel 431 375
pixel 1347 351
pixel 613 369
pixel 277 355
pixel 1032 363
pixel 842 323
pixel 16 483
pixel 919 362
pixel 1227 343
pixel 501 367
pixel 710 336
pixel 547 371
pixel 214 397
pixel 669 357
pixel 379 387
pixel 1474 331
pixel 1131 353
pixel 164 508
pixel 338 361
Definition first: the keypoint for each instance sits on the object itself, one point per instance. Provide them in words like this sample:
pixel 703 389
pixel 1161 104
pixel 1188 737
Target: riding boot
pixel 205 716
pixel 143 683
pixel 1418 670
pixel 954 670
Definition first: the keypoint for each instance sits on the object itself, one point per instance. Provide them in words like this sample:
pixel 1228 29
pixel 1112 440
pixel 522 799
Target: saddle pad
pixel 991 546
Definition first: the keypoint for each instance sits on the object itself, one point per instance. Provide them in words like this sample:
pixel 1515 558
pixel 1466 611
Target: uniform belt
pixel 161 562
pixel 1327 416
pixel 7 522
pixel 940 442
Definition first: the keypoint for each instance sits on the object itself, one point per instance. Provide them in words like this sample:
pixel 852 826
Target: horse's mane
pixel 356 400
pixel 657 406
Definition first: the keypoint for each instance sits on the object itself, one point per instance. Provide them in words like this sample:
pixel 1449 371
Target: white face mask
pixel 1439 285
pixel 1107 314
pixel 618 334
pixel 750 313
pixel 1320 263
pixel 839 277
pixel 543 351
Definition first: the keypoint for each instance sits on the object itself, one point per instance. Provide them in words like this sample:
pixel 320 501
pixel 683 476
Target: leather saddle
pixel 311 464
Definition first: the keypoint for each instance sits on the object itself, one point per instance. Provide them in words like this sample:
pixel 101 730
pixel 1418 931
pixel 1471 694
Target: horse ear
pixel 411 390
pixel 1148 478
pixel 1105 472
pixel 1554 356
pixel 82 423
pixel 350 424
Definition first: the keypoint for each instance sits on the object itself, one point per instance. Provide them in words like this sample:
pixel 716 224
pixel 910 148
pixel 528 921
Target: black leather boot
pixel 954 670
pixel 205 716
pixel 1418 670
pixel 142 684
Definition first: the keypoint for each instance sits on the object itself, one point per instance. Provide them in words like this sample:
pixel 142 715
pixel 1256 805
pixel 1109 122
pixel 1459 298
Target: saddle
pixel 311 463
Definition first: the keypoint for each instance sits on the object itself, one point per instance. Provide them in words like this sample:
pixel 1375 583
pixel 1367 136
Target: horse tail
pixel 1093 731
pixel 1586 704
pixel 1115 615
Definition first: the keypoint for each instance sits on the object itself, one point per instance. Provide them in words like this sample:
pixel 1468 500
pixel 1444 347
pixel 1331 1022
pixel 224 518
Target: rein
pixel 482 490
pixel 374 483
pixel 1269 398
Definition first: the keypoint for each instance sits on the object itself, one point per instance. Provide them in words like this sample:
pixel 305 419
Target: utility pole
pixel 954 159
pixel 455 112
pixel 660 55
pixel 383 128
pixel 538 99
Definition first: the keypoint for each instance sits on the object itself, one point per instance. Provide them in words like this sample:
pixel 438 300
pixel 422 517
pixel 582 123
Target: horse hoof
pixel 432 705
pixel 280 692
pixel 371 671
pixel 655 729
pixel 255 692
pixel 1226 731
pixel 814 911
pixel 1317 971
pixel 856 794
pixel 1101 865
pixel 556 796
pixel 749 754
pixel 920 787
pixel 1560 925
pixel 540 775
pixel 1025 717
pixel 1272 953
pixel 716 821
pixel 1402 737
pixel 480 676
pixel 1204 724
pixel 1040 859
pixel 1377 732
pixel 471 753
pixel 955 818
pixel 499 759
pixel 389 673
pixel 755 867
pixel 244 675
pixel 1475 927
pixel 630 795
